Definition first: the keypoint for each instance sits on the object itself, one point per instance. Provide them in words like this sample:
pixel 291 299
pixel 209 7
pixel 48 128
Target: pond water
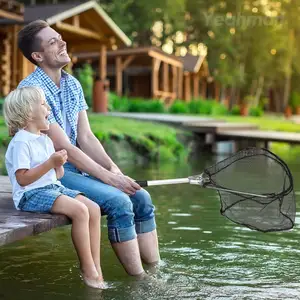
pixel 204 256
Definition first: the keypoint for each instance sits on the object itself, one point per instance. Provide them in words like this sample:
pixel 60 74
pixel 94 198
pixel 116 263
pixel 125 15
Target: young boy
pixel 34 168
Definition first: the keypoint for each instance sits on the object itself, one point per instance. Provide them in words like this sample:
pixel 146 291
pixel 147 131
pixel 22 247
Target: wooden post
pixel 102 62
pixel 15 57
pixel 155 75
pixel 119 83
pixel 180 83
pixel 203 88
pixel 195 86
pixel 217 91
pixel 187 87
pixel 174 80
pixel 165 77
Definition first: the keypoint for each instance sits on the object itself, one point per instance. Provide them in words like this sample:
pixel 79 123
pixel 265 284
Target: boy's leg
pixel 120 217
pixel 78 213
pixel 94 228
pixel 145 226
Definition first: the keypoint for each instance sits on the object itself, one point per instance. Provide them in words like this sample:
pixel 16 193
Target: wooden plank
pixel 155 74
pixel 127 61
pixel 187 87
pixel 260 135
pixel 79 31
pixel 103 62
pixel 164 58
pixel 76 21
pixel 180 83
pixel 174 80
pixel 165 77
pixel 217 127
pixel 119 83
pixel 9 15
pixel 16 225
pixel 195 86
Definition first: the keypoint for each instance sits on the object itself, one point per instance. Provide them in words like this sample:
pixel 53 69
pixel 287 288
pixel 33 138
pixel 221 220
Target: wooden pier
pixel 17 225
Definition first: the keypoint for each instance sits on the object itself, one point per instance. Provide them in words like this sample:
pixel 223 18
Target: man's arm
pixel 86 164
pixel 91 145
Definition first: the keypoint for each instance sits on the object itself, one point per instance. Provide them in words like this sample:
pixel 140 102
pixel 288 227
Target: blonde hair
pixel 18 107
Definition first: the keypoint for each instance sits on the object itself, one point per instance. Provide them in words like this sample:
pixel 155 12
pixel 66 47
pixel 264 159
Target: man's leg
pixel 120 217
pixel 145 226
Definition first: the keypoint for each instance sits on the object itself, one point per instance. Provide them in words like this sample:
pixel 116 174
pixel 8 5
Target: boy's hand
pixel 58 158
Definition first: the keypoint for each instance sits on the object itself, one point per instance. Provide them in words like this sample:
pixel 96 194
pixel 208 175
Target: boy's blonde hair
pixel 18 107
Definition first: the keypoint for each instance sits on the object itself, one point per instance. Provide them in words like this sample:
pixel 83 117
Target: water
pixel 204 256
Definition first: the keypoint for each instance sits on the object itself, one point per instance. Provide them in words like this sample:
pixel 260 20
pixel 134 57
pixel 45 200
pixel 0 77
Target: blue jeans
pixel 127 216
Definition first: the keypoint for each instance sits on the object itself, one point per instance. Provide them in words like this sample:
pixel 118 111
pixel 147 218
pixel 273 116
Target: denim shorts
pixel 42 199
pixel 127 216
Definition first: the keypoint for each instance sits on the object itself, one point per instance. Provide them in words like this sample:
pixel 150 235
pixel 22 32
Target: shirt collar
pixel 49 82
pixel 24 135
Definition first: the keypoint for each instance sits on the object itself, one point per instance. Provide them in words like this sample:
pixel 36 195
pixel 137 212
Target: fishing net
pixel 255 188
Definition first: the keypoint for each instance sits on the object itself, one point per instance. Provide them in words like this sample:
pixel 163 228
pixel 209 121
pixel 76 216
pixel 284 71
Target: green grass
pixel 266 122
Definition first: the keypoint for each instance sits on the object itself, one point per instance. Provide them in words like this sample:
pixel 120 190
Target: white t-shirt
pixel 26 151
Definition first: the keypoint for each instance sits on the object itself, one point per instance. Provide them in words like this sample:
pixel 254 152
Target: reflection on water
pixel 204 256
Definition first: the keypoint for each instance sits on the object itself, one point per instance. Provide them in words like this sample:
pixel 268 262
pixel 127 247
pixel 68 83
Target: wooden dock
pixel 213 131
pixel 16 225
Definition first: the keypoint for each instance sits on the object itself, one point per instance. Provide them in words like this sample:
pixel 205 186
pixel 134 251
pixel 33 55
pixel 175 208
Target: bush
pixel 202 107
pixel 141 105
pixel 236 110
pixel 1 104
pixel 85 75
pixel 295 100
pixel 179 107
pixel 116 103
pixel 219 109
pixel 256 111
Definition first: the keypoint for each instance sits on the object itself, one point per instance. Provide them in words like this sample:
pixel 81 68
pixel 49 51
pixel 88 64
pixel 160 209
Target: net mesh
pixel 255 171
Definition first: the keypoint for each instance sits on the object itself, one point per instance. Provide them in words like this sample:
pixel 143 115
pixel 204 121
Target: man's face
pixel 53 49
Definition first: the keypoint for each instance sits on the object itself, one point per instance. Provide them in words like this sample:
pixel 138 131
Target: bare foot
pixel 94 282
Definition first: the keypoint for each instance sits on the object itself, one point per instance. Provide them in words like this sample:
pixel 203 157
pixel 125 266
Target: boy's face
pixel 40 114
pixel 54 49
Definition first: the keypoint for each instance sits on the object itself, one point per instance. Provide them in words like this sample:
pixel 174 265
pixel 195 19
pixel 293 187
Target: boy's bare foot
pixel 94 281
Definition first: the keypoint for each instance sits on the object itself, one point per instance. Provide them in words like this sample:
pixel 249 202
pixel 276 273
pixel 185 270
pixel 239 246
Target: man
pixel 129 209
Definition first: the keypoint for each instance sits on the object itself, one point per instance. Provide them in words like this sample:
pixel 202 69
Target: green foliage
pixel 236 110
pixel 178 107
pixel 1 104
pixel 256 111
pixel 116 103
pixel 219 109
pixel 295 100
pixel 85 75
pixel 141 105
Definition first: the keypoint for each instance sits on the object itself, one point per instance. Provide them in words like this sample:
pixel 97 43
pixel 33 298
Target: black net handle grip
pixel 142 183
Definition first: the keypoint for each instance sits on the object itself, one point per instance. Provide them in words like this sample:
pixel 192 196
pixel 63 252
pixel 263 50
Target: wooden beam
pixel 195 86
pixel 187 87
pixel 174 80
pixel 155 75
pixel 103 62
pixel 127 61
pixel 165 77
pixel 76 21
pixel 180 82
pixel 119 73
pixel 203 88
pixel 9 15
pixel 78 31
pixel 165 58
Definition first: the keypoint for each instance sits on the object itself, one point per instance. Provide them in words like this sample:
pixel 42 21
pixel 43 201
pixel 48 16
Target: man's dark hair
pixel 28 41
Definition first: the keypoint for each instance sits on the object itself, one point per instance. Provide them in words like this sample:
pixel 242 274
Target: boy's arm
pixel 60 171
pixel 28 176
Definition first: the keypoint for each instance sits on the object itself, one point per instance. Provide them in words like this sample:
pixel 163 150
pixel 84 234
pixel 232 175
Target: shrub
pixel 219 109
pixel 179 107
pixel 116 103
pixel 236 110
pixel 256 111
pixel 1 104
pixel 85 75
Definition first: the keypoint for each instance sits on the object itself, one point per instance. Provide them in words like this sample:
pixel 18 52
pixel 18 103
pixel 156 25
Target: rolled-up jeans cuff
pixel 118 235
pixel 145 226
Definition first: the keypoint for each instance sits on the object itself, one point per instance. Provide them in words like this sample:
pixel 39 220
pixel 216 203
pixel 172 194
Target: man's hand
pixel 114 169
pixel 123 183
pixel 58 158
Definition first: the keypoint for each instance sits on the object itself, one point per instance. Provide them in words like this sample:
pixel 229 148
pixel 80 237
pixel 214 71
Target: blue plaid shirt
pixel 70 92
